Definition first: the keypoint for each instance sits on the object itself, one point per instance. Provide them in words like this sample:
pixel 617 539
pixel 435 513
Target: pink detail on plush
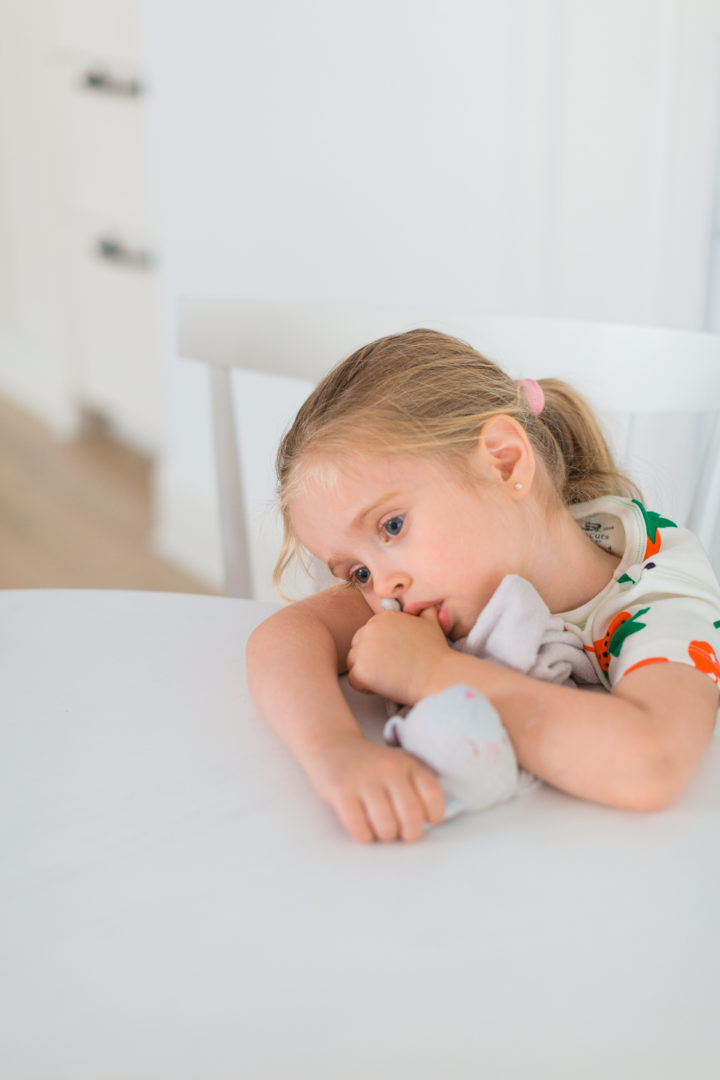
pixel 492 753
pixel 469 694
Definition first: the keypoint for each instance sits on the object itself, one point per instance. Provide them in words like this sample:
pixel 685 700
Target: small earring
pixel 518 486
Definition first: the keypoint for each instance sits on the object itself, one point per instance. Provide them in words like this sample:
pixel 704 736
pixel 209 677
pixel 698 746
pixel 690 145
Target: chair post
pixel 233 525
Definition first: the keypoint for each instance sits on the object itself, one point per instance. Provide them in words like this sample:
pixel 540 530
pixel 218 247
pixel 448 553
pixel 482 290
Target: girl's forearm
pixel 292 666
pixel 631 749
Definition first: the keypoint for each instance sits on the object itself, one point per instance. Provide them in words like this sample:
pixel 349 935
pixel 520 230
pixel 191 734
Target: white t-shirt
pixel 663 603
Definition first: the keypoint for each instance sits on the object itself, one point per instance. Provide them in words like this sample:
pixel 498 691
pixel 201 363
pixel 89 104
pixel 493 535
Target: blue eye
pixel 361 575
pixel 393 526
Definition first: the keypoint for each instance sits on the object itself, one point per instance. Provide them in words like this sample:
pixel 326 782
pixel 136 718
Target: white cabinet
pixel 108 244
pixel 119 375
pixel 82 257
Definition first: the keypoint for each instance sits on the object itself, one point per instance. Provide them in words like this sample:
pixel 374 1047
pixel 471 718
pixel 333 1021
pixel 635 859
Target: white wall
pixel 336 149
pixel 631 144
pixel 530 156
pixel 323 150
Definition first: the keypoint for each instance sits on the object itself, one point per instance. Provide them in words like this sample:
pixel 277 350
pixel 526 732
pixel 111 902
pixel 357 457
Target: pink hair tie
pixel 534 393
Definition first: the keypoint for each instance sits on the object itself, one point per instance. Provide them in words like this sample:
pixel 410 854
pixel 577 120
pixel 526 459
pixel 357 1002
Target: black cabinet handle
pixel 115 251
pixel 101 82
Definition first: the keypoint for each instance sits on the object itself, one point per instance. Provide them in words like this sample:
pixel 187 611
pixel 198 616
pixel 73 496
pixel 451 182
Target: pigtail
pixel 576 450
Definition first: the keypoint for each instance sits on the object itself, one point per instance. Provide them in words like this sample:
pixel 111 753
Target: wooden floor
pixel 76 514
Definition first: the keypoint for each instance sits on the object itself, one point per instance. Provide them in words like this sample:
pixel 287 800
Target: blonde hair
pixel 425 393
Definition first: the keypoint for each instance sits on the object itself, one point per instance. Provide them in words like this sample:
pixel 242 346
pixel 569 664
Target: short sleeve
pixel 676 629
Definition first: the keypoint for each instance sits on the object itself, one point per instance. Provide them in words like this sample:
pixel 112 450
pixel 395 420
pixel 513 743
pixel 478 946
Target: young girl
pixel 419 471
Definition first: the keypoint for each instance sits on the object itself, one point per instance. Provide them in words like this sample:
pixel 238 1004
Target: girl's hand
pixel 393 654
pixel 378 793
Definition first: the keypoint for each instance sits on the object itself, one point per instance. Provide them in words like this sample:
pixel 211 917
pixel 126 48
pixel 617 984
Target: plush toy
pixel 459 734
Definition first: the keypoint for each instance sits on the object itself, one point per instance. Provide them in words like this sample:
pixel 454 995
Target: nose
pixel 392 584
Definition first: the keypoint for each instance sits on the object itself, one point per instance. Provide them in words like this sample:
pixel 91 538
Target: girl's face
pixel 415 530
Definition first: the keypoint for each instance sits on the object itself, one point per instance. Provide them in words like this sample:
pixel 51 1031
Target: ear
pixel 505 456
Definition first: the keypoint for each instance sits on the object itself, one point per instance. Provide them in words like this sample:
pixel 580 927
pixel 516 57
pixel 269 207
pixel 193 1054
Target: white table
pixel 176 903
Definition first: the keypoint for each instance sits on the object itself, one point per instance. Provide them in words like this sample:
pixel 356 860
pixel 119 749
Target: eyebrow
pixel 362 514
pixel 357 522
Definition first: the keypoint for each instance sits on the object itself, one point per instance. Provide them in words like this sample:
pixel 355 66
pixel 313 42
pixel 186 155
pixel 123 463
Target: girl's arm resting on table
pixel 293 662
pixel 636 747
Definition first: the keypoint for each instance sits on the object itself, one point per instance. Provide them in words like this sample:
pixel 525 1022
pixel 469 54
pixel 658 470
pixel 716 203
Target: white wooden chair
pixel 635 376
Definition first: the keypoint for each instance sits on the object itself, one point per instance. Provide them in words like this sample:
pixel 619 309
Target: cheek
pixel 464 548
